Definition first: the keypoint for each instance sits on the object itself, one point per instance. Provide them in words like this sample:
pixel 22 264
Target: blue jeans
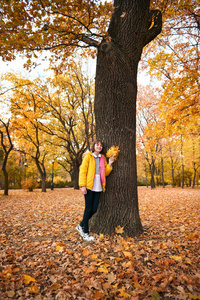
pixel 91 205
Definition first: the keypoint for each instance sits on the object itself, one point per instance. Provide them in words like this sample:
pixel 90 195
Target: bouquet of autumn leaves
pixel 113 151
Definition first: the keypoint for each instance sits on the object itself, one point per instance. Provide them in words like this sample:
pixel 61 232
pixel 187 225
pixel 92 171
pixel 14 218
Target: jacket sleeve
pixel 108 169
pixel 83 171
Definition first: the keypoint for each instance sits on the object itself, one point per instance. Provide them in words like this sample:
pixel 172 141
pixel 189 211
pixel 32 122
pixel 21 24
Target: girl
pixel 92 180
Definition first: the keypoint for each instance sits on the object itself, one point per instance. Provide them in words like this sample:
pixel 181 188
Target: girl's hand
pixel 111 160
pixel 83 190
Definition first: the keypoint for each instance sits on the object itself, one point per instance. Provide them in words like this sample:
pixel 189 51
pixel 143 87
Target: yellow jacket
pixel 87 171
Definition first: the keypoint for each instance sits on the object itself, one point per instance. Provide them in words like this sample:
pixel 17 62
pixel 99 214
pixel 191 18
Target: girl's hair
pixel 96 142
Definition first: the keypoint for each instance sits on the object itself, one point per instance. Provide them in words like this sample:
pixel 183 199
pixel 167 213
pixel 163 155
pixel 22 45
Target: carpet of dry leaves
pixel 42 256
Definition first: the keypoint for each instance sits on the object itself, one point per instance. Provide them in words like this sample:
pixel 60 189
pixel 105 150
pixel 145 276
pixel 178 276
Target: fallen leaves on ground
pixel 42 256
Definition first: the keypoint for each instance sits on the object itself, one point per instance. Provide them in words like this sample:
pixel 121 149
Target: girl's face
pixel 98 148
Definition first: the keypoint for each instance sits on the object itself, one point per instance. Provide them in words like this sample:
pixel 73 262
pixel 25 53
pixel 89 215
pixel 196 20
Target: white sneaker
pixel 87 237
pixel 79 229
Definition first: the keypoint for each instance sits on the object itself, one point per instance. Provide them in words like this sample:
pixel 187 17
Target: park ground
pixel 42 256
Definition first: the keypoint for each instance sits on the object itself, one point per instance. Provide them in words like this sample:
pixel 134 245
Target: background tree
pixel 174 59
pixel 15 169
pixel 68 102
pixel 25 106
pixel 149 128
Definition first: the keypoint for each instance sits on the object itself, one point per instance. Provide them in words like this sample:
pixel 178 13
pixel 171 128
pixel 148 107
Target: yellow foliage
pixel 28 279
pixel 34 289
pixel 123 293
pixel 113 151
pixel 119 229
pixel 71 19
pixel 103 270
pixel 29 184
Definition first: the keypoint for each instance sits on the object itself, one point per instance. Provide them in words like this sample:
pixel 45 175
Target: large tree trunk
pixel 115 113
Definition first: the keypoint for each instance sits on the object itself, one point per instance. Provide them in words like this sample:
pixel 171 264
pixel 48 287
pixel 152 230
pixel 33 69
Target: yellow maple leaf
pixel 128 264
pixel 28 279
pixel 191 296
pixel 123 293
pixel 59 248
pixel 119 229
pixel 93 256
pixel 176 258
pixel 113 151
pixel 34 289
pixel 118 258
pixel 103 270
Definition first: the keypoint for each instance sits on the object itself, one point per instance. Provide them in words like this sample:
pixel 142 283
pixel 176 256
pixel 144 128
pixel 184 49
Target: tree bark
pixel 115 113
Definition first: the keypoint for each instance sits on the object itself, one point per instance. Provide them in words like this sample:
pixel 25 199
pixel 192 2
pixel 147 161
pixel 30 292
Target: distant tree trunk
pixel 194 175
pixel 115 110
pixel 44 183
pixel 182 165
pixel 179 179
pixel 172 170
pixel 157 175
pixel 42 172
pixel 5 173
pixel 7 148
pixel 145 168
pixel 162 166
pixel 182 173
pixel 152 170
